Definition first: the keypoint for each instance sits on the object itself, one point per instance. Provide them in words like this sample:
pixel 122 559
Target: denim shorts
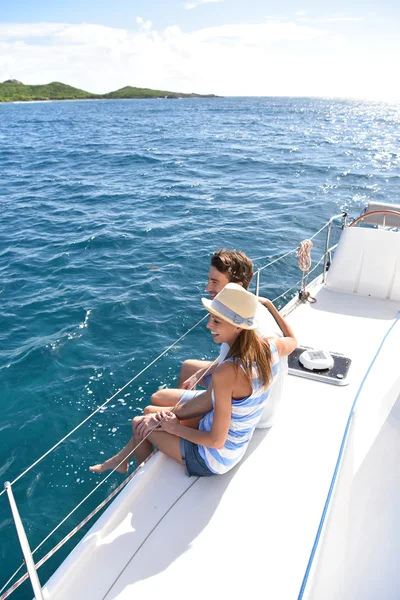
pixel 192 461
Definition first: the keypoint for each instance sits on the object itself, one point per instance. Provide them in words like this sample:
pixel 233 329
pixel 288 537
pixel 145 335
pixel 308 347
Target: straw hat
pixel 235 305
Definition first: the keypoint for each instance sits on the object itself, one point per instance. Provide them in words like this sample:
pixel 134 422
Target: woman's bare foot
pixel 109 465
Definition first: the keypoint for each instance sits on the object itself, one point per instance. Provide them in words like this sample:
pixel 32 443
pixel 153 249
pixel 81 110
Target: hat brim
pixel 208 306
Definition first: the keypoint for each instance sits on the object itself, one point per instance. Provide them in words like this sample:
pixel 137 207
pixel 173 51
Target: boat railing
pixel 326 257
pixel 370 217
pixel 32 567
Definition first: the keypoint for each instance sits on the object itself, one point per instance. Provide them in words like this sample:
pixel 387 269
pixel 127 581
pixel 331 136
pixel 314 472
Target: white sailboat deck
pixel 249 533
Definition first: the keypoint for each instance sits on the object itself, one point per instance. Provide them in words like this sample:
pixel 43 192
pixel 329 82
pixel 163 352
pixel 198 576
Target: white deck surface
pixel 247 534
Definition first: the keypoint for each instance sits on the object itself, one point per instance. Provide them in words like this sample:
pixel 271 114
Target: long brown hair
pixel 249 350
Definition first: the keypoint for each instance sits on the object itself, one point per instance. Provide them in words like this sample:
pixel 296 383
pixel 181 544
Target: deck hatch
pixel 336 375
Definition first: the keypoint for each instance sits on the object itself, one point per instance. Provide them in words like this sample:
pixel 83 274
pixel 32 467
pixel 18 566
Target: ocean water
pixel 109 214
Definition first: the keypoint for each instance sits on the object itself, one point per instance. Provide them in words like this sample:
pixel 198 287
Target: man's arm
pixel 288 343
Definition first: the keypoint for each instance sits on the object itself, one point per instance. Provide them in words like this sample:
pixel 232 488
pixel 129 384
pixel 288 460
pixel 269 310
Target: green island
pixel 15 91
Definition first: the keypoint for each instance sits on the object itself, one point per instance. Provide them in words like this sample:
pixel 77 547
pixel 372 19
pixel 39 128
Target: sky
pixel 225 47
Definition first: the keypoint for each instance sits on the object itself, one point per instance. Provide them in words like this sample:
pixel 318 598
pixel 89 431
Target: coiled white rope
pixel 300 280
pixel 304 261
pixel 304 255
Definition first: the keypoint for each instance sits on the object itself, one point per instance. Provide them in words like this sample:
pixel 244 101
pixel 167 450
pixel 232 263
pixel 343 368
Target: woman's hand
pixel 146 425
pixel 190 383
pixel 169 423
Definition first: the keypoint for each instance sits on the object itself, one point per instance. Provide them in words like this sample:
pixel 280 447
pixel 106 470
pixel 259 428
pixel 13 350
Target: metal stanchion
pixel 258 283
pixel 23 540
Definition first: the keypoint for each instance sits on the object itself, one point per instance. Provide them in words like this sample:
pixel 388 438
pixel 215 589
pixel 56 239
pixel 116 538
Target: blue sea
pixel 109 214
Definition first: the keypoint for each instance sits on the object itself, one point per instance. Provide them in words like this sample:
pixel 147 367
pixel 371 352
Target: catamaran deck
pixel 247 534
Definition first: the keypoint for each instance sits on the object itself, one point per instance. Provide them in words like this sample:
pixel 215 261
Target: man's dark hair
pixel 234 264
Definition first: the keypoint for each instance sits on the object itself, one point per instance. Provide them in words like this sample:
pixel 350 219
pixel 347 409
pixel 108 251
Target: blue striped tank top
pixel 246 413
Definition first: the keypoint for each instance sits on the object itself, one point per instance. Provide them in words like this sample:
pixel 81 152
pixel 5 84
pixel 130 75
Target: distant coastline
pixel 15 91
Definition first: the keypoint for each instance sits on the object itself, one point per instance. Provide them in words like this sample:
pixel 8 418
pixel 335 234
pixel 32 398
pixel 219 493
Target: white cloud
pixel 9 31
pixel 195 3
pixel 334 19
pixel 145 25
pixel 270 58
pixel 62 33
pixel 271 32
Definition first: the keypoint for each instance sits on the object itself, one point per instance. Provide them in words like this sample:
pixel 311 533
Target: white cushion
pixel 367 263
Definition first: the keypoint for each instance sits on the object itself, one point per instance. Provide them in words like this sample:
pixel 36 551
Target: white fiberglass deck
pixel 247 534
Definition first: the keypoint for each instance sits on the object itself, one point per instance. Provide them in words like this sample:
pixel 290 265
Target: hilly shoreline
pixel 15 91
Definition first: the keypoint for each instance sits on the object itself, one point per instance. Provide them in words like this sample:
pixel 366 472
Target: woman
pixel 226 415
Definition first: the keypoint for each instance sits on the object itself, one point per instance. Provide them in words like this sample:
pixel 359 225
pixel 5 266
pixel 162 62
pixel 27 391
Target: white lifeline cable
pixel 126 458
pixel 143 370
pixel 113 396
pixel 290 251
pixel 95 511
pixel 104 404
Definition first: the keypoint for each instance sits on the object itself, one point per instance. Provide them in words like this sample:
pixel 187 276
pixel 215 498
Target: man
pixel 227 266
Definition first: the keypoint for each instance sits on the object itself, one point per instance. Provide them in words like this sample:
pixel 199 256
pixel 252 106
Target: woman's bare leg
pixel 167 397
pixel 168 444
pixel 170 397
pixel 190 367
pixel 151 410
pixel 123 457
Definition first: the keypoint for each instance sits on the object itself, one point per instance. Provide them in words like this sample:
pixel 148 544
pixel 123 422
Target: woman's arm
pixel 288 343
pixel 197 407
pixel 224 378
